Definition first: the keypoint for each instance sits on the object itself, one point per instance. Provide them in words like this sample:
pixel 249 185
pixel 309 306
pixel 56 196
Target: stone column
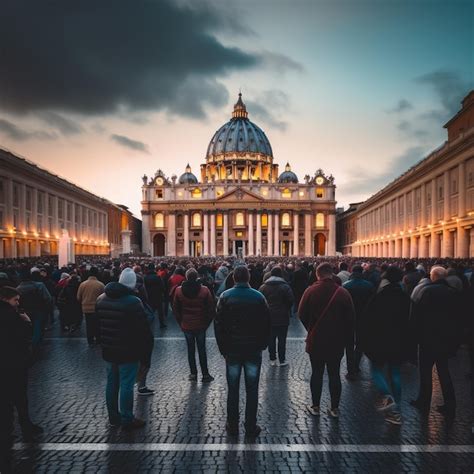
pixel 276 245
pixel 206 233
pixel 471 242
pixel 171 250
pixel 307 235
pixel 56 229
pixel 462 248
pixel 186 250
pixel 434 200
pixel 225 234
pixel 251 250
pixel 413 247
pixel 126 240
pixel 423 206
pixel 422 247
pixel 244 250
pixel 405 248
pixel 34 211
pixel 259 234
pixel 434 245
pixel 296 234
pixel 234 248
pixel 213 234
pixel 448 244
pixel 446 213
pixel 332 235
pixel 462 190
pixel 405 225
pixel 270 234
pixel 9 203
pixel 146 241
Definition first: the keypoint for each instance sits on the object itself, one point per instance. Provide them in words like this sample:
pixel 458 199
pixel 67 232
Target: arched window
pixel 264 220
pixel 319 219
pixel 196 193
pixel 196 220
pixel 239 218
pixel 285 219
pixel 286 193
pixel 159 220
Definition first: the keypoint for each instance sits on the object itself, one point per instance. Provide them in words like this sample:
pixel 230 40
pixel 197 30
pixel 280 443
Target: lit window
pixel 239 219
pixel 159 220
pixel 301 193
pixel 319 219
pixel 285 219
pixel 239 234
pixel 196 193
pixel 319 192
pixel 286 193
pixel 196 220
pixel 219 220
pixel 264 191
pixel 264 220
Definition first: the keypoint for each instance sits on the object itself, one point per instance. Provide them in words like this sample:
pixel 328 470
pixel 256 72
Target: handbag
pixel 309 337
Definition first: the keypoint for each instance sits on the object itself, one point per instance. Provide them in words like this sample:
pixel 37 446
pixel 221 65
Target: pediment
pixel 240 194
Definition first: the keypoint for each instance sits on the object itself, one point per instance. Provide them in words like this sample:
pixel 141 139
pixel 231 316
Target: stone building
pixel 429 210
pixel 37 206
pixel 240 204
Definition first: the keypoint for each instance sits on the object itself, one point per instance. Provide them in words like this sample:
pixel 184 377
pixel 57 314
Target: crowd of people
pixel 391 311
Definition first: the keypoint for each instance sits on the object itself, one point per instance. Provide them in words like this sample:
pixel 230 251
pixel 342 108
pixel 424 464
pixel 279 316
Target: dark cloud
pixel 129 143
pixel 98 57
pixel 269 108
pixel 280 63
pixel 12 131
pixel 65 125
pixel 402 106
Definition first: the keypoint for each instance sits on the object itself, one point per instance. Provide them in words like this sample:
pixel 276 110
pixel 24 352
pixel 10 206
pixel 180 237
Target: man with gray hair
pixel 437 324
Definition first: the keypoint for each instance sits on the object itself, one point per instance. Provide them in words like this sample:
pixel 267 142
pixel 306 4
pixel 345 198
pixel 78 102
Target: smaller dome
pixel 187 177
pixel 288 176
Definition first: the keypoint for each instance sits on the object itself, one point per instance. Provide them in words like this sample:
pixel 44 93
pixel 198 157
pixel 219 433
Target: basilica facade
pixel 240 204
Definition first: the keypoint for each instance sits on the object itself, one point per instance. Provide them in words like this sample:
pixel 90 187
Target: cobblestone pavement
pixel 185 430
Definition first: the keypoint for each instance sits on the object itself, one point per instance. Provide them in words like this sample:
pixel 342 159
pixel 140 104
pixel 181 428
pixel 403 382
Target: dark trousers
pixel 251 365
pixel 166 301
pixel 335 388
pixel 426 361
pixel 19 387
pixel 280 333
pixel 353 357
pixel 92 327
pixel 6 427
pixel 198 338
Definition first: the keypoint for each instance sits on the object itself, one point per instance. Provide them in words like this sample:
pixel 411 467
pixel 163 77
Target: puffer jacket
pixel 124 330
pixel 280 299
pixel 242 325
pixel 193 306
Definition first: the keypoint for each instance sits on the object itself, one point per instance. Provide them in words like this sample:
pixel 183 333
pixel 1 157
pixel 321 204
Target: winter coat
pixel 15 340
pixel 361 290
pixel 280 299
pixel 384 329
pixel 123 327
pixel 164 274
pixel 300 283
pixel 411 279
pixel 193 306
pixel 242 325
pixel 335 331
pixel 175 280
pixel 88 293
pixel 155 289
pixel 34 298
pixel 70 305
pixel 437 320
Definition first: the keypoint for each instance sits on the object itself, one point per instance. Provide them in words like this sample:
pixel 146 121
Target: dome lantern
pixel 240 111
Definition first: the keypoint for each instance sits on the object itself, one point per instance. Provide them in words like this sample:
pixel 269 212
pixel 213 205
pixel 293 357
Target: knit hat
pixel 128 278
pixel 34 269
pixel 64 275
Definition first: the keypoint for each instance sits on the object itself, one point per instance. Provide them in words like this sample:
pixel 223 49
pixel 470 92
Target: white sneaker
pixel 284 363
pixel 273 363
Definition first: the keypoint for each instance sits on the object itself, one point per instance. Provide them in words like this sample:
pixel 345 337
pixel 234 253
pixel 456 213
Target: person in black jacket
pixel 437 322
pixel 155 290
pixel 15 359
pixel 123 329
pixel 280 299
pixel 72 308
pixel 242 327
pixel 384 332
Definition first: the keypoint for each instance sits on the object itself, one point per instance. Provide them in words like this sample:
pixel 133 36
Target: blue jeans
pixel 120 379
pixel 383 385
pixel 251 365
pixel 199 338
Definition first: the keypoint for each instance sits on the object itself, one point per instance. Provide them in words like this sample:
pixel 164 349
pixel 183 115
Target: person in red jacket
pixel 327 312
pixel 194 309
pixel 175 280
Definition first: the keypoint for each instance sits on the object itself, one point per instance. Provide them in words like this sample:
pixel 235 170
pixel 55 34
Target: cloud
pixel 12 131
pixel 129 143
pixel 99 57
pixel 269 107
pixel 402 106
pixel 65 125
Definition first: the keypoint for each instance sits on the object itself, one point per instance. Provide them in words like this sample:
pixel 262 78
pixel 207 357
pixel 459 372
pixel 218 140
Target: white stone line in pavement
pixel 165 338
pixel 307 448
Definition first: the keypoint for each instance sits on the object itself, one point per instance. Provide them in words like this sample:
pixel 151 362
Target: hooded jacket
pixel 123 327
pixel 193 306
pixel 280 299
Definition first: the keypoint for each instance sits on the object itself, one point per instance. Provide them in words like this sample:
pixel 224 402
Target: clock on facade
pixel 159 181
pixel 319 180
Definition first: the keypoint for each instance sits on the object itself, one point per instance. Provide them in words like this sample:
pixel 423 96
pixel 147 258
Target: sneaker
pixel 333 412
pixel 253 432
pixel 314 410
pixel 273 362
pixel 284 363
pixel 193 377
pixel 385 403
pixel 134 424
pixel 232 428
pixel 207 378
pixel 393 418
pixel 145 391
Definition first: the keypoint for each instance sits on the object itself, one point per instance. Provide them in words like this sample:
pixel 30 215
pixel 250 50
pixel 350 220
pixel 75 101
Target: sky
pixel 104 92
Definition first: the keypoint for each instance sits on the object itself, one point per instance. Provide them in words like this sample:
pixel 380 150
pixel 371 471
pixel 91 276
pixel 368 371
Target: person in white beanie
pixel 123 328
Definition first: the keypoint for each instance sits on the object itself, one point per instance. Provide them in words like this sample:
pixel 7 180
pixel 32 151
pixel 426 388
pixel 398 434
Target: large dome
pixel 239 135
